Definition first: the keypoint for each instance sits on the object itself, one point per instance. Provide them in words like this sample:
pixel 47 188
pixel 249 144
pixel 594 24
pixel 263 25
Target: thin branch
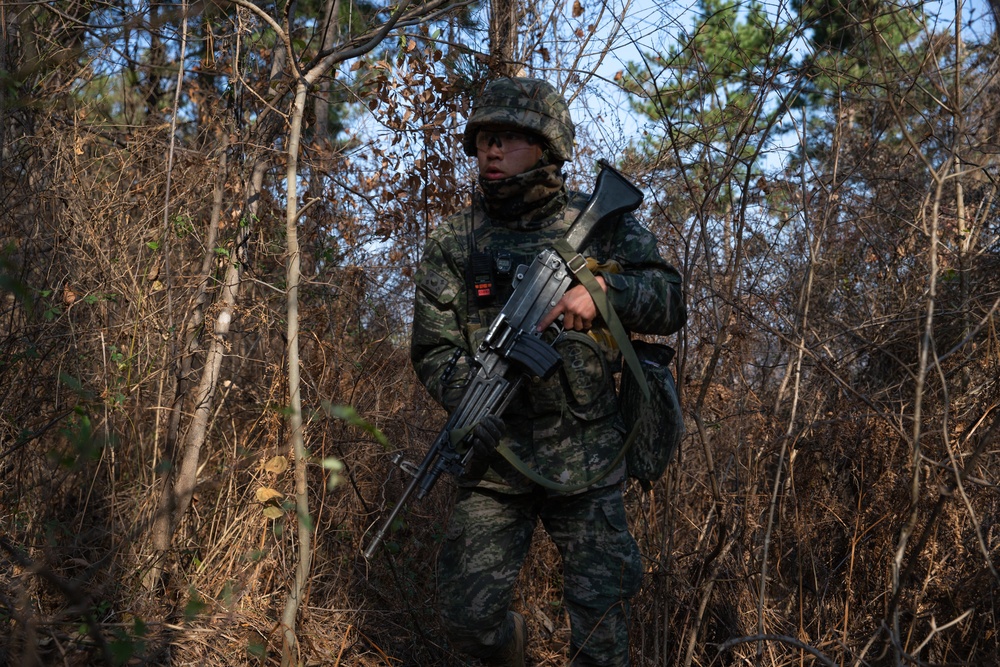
pixel 783 639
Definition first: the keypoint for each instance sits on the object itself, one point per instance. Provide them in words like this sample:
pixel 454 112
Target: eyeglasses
pixel 506 140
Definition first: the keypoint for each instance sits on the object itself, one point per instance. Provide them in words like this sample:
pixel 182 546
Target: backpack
pixel 654 426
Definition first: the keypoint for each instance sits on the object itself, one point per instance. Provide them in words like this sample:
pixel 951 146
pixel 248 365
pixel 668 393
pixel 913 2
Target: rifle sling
pixel 586 277
pixel 526 470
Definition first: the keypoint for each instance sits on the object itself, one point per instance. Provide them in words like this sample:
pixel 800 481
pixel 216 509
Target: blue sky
pixel 652 26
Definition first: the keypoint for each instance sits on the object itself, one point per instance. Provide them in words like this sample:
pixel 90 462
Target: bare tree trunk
pixel 174 500
pixel 995 8
pixel 196 318
pixel 321 106
pixel 504 16
pixel 321 109
pixel 294 394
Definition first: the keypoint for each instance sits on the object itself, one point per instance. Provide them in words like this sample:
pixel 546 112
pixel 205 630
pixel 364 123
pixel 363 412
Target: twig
pixel 784 639
pixel 72 594
pixel 935 629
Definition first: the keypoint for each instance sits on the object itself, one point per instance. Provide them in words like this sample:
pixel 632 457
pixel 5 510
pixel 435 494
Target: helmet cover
pixel 526 104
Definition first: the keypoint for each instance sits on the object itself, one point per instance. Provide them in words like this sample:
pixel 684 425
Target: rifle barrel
pixel 410 488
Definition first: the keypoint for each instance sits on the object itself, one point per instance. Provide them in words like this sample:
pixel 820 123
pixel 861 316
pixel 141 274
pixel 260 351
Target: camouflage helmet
pixel 528 104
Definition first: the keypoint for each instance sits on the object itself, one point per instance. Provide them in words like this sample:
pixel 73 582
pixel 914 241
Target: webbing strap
pixel 586 277
pixel 526 470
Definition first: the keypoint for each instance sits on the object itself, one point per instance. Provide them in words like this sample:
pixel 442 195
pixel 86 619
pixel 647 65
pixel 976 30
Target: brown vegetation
pixel 834 502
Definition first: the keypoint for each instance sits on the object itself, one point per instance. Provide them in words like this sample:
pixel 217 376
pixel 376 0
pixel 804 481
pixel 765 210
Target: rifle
pixel 513 348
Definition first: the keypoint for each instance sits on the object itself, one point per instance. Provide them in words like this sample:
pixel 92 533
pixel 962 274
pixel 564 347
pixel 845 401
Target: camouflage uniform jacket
pixel 565 428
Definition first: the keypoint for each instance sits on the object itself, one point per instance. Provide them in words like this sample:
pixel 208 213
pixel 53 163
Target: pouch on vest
pixel 656 426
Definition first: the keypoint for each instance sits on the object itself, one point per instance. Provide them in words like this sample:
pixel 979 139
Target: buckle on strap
pixel 576 263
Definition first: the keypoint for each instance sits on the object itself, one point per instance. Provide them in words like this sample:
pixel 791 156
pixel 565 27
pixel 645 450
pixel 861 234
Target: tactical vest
pixel 648 408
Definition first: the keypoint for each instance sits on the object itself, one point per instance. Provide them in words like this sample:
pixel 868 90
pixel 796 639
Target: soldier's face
pixel 503 153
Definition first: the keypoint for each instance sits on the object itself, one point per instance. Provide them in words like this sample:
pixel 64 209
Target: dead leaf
pixel 546 622
pixel 264 494
pixel 277 465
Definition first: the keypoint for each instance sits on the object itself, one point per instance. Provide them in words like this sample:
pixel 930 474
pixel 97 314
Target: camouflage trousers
pixel 486 543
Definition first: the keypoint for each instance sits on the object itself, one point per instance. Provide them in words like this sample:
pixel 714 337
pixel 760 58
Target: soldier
pixel 521 133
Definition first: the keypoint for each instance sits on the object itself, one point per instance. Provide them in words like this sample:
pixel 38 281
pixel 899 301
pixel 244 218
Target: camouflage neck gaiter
pixel 524 201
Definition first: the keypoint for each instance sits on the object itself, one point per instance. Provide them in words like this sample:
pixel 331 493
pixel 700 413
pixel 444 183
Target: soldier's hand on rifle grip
pixel 577 308
pixel 486 436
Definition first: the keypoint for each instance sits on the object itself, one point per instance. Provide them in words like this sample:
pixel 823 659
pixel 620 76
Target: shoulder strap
pixel 578 265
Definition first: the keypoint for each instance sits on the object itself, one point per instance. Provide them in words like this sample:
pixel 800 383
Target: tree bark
pixel 296 444
pixel 189 342
pixel 174 500
pixel 504 17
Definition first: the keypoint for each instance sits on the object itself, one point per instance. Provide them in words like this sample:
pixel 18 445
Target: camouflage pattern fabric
pixel 527 104
pixel 566 428
pixel 656 426
pixel 533 196
pixel 487 540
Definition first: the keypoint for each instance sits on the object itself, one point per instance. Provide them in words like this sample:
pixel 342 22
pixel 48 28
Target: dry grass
pixel 774 540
